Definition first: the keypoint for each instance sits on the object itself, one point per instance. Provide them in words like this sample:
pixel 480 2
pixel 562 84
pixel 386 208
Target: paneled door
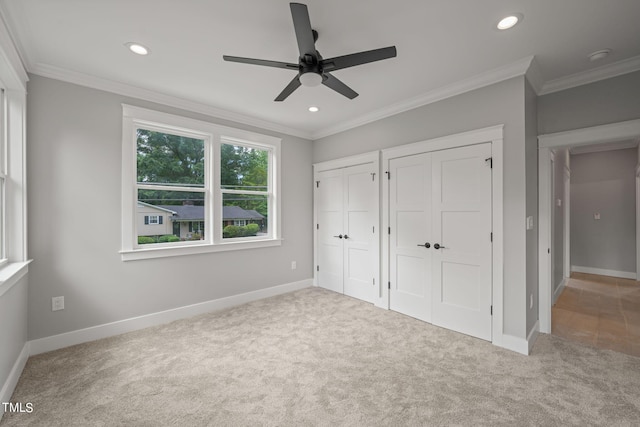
pixel 359 230
pixel 346 214
pixel 410 236
pixel 462 248
pixel 329 212
pixel 440 238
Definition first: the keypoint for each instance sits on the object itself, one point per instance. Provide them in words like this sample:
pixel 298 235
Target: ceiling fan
pixel 311 67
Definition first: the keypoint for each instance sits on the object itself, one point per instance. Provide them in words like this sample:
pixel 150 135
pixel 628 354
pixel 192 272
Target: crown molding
pixel 534 76
pixel 591 76
pixel 518 68
pixel 99 83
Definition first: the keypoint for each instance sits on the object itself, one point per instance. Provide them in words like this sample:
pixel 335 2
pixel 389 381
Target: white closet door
pixel 359 219
pixel 330 213
pixel 410 223
pixel 462 228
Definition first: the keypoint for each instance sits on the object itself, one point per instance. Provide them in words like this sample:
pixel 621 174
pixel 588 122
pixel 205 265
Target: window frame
pixel 3 178
pixel 214 136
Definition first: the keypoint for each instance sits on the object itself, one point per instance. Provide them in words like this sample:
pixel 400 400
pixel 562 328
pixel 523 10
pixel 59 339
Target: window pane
pixel 244 215
pixel 243 168
pixel 170 216
pixel 169 159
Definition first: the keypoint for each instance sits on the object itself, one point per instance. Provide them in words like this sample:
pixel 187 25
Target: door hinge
pixel 317 268
pixel 492 310
pixel 389 285
pixel 490 160
pixel 317 226
pixel 492 236
pixel 317 184
pixel 388 174
pixel 373 229
pixel 374 280
pixel 389 230
pixel 548 250
pixel 373 176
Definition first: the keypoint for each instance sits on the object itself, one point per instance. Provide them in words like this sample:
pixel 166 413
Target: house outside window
pixel 183 176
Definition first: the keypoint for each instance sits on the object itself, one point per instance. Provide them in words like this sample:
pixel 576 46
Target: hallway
pixel 599 311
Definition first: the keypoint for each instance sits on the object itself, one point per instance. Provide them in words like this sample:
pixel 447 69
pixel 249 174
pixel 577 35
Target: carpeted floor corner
pixel 314 357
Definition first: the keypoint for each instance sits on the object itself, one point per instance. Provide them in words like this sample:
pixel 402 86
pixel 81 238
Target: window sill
pixel 171 251
pixel 11 273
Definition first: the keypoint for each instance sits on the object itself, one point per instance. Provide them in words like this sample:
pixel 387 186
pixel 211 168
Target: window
pixel 182 176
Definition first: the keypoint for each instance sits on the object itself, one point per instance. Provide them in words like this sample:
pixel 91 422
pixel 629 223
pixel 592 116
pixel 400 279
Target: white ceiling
pixel 441 44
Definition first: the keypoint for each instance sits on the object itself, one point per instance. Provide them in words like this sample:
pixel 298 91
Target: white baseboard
pixel 604 272
pixel 93 333
pixel 12 380
pixel 519 345
pixel 559 290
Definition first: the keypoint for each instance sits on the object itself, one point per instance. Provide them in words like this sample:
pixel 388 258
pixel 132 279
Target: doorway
pixel 608 135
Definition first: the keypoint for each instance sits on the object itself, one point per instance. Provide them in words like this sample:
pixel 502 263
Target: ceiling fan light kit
pixel 312 69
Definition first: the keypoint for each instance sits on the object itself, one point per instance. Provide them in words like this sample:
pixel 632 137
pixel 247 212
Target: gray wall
pixel 74 173
pixel 502 103
pixel 607 101
pixel 531 172
pixel 604 182
pixel 13 318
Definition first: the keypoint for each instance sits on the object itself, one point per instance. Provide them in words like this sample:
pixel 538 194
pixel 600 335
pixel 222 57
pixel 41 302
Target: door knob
pixel 437 246
pixel 426 245
pixel 346 237
pixel 339 236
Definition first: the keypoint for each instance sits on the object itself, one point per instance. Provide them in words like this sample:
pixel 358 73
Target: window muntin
pixel 254 177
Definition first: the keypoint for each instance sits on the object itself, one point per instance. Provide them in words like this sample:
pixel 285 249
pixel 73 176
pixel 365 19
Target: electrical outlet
pixel 294 265
pixel 57 303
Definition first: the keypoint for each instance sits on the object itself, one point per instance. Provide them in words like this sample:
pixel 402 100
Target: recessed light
pixel 137 48
pixel 314 109
pixel 600 54
pixel 509 21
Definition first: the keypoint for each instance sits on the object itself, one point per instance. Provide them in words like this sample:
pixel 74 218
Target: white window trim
pixel 13 78
pixel 156 220
pixel 214 135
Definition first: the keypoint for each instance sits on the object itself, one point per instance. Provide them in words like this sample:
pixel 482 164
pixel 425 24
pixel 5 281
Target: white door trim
pixel 586 136
pixel 638 217
pixel 494 135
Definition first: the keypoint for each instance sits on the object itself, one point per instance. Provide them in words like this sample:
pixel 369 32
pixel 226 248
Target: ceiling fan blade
pixel 293 85
pixel 304 32
pixel 338 86
pixel 276 64
pixel 346 61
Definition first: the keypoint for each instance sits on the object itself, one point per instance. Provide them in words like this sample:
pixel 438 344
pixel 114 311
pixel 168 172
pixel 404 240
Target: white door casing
pixel 461 267
pixel 410 222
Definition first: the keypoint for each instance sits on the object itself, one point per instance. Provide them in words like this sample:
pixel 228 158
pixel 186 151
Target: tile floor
pixel 600 311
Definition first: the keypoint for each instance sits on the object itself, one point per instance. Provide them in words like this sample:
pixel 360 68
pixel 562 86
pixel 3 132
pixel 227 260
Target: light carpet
pixel 314 357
